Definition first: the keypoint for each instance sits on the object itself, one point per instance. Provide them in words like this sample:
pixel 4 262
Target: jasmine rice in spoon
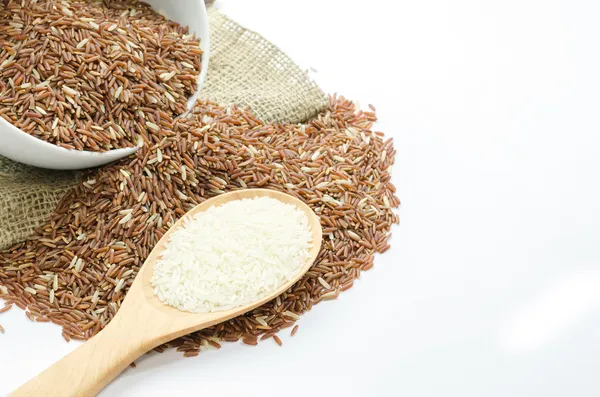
pixel 231 255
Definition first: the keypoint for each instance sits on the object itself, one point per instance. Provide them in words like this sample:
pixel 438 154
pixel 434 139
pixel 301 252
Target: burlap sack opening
pixel 244 69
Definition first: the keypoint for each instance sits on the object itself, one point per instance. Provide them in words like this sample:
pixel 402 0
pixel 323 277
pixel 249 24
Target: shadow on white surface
pixel 552 312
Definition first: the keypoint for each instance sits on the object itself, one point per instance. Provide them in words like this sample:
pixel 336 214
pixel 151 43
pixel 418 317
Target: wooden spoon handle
pixel 89 368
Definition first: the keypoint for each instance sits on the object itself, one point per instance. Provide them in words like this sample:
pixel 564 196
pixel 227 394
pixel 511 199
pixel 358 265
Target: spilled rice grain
pixel 83 299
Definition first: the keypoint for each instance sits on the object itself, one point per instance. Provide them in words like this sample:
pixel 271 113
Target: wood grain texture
pixel 143 322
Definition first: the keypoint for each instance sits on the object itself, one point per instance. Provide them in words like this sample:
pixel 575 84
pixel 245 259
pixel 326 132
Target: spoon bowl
pixel 143 322
pixel 24 148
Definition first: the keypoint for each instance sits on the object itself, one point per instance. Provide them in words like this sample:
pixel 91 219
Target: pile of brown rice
pixel 78 268
pixel 85 74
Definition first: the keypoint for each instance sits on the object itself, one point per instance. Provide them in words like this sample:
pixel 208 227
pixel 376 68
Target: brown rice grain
pixel 294 330
pixel 216 160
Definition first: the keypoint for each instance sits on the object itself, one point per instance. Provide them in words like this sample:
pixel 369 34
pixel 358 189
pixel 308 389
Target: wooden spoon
pixel 143 322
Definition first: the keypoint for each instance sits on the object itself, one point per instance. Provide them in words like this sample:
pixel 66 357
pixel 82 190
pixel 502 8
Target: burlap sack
pixel 244 69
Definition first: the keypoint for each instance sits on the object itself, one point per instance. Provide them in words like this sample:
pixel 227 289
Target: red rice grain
pixel 294 330
pixel 91 85
pixel 335 163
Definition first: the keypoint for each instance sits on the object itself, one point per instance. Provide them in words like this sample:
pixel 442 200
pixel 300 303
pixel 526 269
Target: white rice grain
pixel 232 255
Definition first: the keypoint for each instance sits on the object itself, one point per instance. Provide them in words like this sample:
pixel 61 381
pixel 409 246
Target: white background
pixel 492 285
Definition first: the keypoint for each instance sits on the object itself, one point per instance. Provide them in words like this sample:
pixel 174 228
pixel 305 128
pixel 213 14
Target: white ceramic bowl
pixel 24 148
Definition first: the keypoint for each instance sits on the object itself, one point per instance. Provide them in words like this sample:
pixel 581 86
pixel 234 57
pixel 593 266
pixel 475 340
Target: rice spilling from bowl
pixel 232 255
pixel 93 75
